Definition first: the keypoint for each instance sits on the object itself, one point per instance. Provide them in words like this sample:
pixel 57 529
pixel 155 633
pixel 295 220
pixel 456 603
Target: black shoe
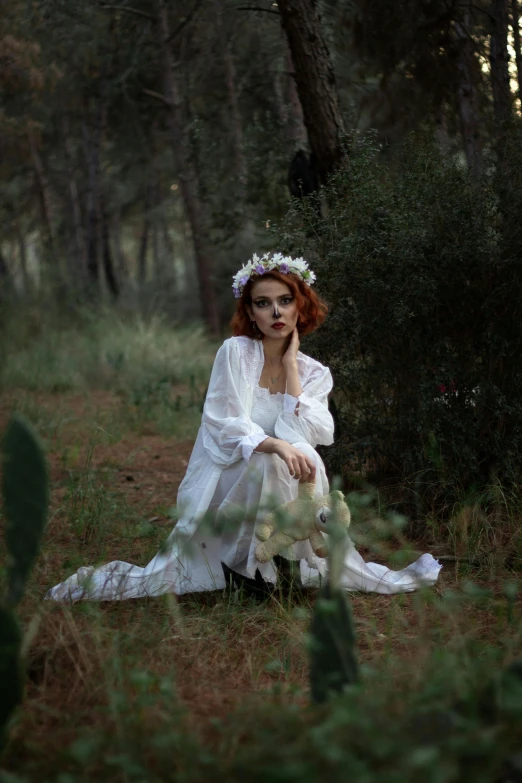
pixel 288 580
pixel 252 588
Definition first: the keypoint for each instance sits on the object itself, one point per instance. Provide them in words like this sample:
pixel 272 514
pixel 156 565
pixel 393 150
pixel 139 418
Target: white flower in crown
pixel 257 267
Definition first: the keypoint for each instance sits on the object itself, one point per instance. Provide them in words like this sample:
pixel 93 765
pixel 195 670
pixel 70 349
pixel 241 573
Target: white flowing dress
pixel 228 486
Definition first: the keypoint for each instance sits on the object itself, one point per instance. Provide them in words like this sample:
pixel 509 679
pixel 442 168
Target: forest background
pixel 146 150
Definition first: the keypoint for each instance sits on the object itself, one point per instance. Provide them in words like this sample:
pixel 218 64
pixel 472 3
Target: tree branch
pixel 256 8
pixel 157 95
pixel 185 21
pixel 128 10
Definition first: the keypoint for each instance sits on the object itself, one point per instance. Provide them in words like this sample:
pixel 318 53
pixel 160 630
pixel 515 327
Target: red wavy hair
pixel 311 308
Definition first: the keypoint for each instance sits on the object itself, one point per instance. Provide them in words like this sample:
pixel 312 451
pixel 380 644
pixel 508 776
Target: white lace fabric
pixel 266 408
pixel 225 475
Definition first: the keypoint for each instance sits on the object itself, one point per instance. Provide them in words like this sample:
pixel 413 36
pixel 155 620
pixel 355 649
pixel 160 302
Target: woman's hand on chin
pixel 290 355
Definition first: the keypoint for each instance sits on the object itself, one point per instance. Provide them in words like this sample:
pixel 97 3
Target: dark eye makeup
pixel 263 302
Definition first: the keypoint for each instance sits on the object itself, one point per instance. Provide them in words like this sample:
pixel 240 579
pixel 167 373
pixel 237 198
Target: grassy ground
pixel 209 686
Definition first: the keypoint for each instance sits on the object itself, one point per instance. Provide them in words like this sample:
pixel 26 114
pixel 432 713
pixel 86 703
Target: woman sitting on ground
pixel 265 413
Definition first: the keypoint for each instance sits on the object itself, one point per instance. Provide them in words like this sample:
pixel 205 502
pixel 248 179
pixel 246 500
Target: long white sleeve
pixel 312 421
pixel 228 432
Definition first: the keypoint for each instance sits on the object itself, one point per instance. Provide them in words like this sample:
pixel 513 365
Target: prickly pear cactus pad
pixel 11 676
pixel 332 649
pixel 25 501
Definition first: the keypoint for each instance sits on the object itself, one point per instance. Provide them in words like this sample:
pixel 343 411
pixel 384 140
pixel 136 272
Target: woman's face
pixel 274 308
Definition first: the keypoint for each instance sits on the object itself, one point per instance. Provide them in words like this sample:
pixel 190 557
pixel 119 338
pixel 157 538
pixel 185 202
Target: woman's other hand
pixel 300 466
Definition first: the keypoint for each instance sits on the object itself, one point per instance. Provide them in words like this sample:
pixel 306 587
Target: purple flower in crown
pixel 237 293
pixel 284 268
pixel 244 280
pixel 260 269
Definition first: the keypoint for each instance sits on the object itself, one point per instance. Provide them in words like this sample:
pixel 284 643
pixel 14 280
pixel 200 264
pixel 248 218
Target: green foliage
pixel 50 352
pixel 25 499
pixel 367 736
pixel 333 660
pixel 418 263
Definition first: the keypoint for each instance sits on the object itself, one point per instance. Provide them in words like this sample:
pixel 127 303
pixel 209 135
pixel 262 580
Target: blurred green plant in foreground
pixel 25 489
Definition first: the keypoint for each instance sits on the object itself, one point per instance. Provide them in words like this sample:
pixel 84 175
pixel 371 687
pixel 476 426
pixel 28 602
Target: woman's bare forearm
pixel 268 445
pixel 293 384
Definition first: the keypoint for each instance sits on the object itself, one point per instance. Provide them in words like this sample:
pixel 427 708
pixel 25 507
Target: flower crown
pixel 269 261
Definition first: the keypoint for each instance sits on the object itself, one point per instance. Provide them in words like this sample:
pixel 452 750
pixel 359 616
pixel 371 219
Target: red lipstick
pixel 278 325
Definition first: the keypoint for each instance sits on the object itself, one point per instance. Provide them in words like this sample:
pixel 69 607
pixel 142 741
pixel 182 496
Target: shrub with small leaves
pixel 420 264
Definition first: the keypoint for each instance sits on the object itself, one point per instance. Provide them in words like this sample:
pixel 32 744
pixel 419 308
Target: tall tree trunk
pixel 169 251
pixel 467 95
pixel 297 128
pixel 157 260
pixel 187 174
pixel 240 169
pixel 93 137
pixel 315 81
pixel 108 265
pixel 499 63
pixel 237 122
pixel 44 196
pixel 79 239
pixel 144 241
pixel 441 129
pixel 122 270
pixel 515 23
pixel 4 270
pixel 7 286
pixel 22 250
pixel 91 144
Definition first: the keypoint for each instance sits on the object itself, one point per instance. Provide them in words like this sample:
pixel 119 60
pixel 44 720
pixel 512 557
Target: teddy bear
pixel 307 517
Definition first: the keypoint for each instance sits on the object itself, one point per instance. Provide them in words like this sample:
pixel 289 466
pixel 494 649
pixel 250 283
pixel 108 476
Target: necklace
pixel 275 380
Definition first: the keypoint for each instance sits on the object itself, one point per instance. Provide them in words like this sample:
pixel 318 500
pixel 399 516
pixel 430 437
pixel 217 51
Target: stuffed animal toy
pixel 307 517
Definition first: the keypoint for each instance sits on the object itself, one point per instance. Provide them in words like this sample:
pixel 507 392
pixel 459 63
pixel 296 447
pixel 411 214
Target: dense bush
pixel 421 265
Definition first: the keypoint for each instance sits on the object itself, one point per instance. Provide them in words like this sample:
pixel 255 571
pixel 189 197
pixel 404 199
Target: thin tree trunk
pixel 237 123
pixel 90 139
pixel 441 130
pixel 93 137
pixel 467 96
pixel 233 104
pixel 156 255
pixel 79 239
pixel 188 176
pixel 144 241
pixel 22 249
pixel 7 286
pixel 108 265
pixel 4 270
pixel 44 196
pixel 280 96
pixel 499 63
pixel 315 82
pixel 515 23
pixel 172 268
pixel 122 270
